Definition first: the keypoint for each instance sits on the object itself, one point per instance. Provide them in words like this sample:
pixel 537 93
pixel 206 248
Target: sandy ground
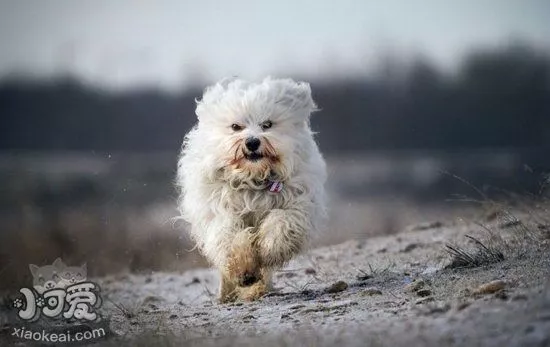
pixel 395 290
pixel 392 291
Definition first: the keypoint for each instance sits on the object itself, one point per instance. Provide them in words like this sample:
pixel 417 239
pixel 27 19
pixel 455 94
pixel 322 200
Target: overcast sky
pixel 128 43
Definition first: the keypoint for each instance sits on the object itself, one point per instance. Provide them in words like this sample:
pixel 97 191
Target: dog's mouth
pixel 261 156
pixel 253 156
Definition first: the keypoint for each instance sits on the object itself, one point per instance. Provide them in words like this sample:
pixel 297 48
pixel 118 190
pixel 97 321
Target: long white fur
pixel 218 199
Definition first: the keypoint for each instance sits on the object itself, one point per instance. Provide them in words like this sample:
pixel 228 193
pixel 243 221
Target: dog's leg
pixel 230 250
pixel 243 265
pixel 267 278
pixel 228 289
pixel 258 289
pixel 250 281
pixel 282 235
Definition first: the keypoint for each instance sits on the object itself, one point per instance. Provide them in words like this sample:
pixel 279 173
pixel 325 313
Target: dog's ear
pixel 58 263
pixel 34 269
pixel 296 97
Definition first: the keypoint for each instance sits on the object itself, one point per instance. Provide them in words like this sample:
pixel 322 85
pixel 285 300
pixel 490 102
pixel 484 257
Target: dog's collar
pixel 274 186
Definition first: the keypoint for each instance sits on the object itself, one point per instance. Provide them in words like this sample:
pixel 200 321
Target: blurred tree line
pixel 497 98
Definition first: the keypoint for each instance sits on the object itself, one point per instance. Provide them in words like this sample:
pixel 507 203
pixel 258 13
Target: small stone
pixel 295 307
pixel 195 280
pixel 502 295
pixel 436 308
pixel 371 292
pixel 463 305
pixel 409 247
pixel 424 292
pixel 415 286
pixel 519 297
pixel 489 288
pixel 310 271
pixel 337 287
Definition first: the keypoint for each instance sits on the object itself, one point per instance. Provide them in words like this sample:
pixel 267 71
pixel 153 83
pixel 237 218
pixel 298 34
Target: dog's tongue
pixel 275 186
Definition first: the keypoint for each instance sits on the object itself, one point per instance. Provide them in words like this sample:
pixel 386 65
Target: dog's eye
pixel 236 127
pixel 266 125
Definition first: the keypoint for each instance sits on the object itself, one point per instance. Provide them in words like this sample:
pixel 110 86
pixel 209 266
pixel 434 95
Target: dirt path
pixel 393 291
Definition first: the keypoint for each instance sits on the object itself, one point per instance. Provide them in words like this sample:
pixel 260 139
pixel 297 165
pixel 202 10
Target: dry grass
pixel 126 311
pixel 374 272
pixel 109 239
pixel 513 227
pixel 478 256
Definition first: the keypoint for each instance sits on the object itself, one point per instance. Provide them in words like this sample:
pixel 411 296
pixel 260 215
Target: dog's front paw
pixel 281 236
pixel 226 299
pixel 243 264
pixel 252 293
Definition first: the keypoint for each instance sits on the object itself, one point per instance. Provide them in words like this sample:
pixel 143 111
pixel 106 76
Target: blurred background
pixel 416 98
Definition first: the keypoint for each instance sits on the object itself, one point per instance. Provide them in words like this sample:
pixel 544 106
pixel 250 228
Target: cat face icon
pixel 57 275
pixel 73 274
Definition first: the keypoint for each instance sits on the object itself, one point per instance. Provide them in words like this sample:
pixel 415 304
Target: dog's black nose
pixel 248 279
pixel 252 143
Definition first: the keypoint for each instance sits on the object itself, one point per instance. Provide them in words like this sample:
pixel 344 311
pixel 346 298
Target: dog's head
pixel 255 131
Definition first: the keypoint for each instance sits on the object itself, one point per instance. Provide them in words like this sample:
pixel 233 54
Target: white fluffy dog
pixel 251 179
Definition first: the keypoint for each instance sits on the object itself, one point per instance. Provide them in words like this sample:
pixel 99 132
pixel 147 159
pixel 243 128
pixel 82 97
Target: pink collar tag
pixel 275 186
